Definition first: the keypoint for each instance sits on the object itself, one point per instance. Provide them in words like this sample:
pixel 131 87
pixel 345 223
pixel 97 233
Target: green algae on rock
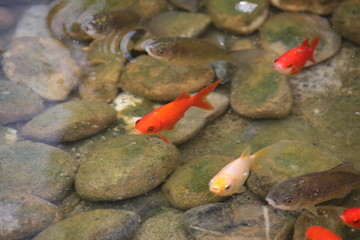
pixel 178 24
pixel 24 215
pixel 188 186
pixel 258 91
pixel 124 167
pixel 235 221
pixel 295 158
pixel 188 5
pixel 69 121
pixel 18 102
pixel 159 81
pixel 99 224
pixel 42 64
pixel 346 20
pixel 328 218
pixel 284 31
pixel 315 6
pixel 242 17
pixel 153 228
pixel 37 168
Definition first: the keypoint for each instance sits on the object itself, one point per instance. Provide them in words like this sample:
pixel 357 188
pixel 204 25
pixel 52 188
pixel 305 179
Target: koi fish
pixel 351 217
pixel 165 117
pixel 190 51
pixel 305 191
pixel 231 178
pixel 320 233
pixel 295 59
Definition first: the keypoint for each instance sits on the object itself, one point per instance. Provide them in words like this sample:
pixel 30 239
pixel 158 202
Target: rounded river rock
pixel 124 167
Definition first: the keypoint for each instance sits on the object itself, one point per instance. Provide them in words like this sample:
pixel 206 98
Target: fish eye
pixel 151 129
pixel 288 199
pixel 227 187
pixel 161 52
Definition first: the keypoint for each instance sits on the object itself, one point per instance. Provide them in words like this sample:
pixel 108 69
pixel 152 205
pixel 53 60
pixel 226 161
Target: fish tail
pixel 313 46
pixel 200 98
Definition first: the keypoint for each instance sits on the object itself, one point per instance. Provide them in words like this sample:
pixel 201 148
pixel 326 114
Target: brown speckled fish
pixel 305 191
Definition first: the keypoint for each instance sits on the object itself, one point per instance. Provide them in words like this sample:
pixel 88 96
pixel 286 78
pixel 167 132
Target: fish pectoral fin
pixel 165 139
pixel 312 209
pixel 246 153
pixel 241 189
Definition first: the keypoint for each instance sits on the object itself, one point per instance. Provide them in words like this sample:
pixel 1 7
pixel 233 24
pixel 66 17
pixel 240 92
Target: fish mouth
pixel 214 189
pixel 147 44
pixel 282 70
pixel 137 131
pixel 271 202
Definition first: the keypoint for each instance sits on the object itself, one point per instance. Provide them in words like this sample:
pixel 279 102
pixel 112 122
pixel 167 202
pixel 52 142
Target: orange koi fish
pixel 351 217
pixel 295 59
pixel 165 117
pixel 320 233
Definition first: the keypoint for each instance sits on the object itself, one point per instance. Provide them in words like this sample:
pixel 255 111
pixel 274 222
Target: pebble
pixel 37 168
pixel 284 31
pixel 42 64
pixel 8 136
pixel 240 17
pixel 24 215
pixel 99 224
pixel 7 19
pixel 216 221
pixel 18 103
pixel 153 228
pixel 346 20
pixel 258 91
pixel 125 166
pixel 69 121
pixel 188 186
pixel 157 80
pixel 315 6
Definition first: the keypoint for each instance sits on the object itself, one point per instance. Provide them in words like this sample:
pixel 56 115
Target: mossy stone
pixel 125 166
pixel 258 91
pixel 315 6
pixel 101 224
pixel 188 186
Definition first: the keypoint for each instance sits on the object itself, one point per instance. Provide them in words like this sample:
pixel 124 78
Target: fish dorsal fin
pixel 182 96
pixel 246 153
pixel 345 167
pixel 305 43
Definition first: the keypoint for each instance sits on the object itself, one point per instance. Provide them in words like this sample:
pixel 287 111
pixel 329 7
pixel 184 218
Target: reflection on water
pixel 77 75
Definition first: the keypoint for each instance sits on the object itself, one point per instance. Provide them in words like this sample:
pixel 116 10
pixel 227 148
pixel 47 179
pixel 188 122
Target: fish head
pixel 222 185
pixel 147 126
pixel 285 196
pixel 283 66
pixel 94 25
pixel 162 48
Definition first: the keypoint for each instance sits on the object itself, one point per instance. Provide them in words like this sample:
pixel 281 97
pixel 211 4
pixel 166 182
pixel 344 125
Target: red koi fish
pixel 165 117
pixel 320 233
pixel 294 60
pixel 351 217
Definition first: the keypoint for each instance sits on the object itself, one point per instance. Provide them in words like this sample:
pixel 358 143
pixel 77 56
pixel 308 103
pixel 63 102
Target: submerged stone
pixel 178 24
pixel 99 224
pixel 153 228
pixel 315 6
pixel 42 64
pixel 124 167
pixel 24 215
pixel 258 91
pixel 18 102
pixel 69 121
pixel 160 81
pixel 295 158
pixel 234 221
pixel 284 31
pixel 7 19
pixel 188 186
pixel 189 5
pixel 346 20
pixel 241 17
pixel 36 168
